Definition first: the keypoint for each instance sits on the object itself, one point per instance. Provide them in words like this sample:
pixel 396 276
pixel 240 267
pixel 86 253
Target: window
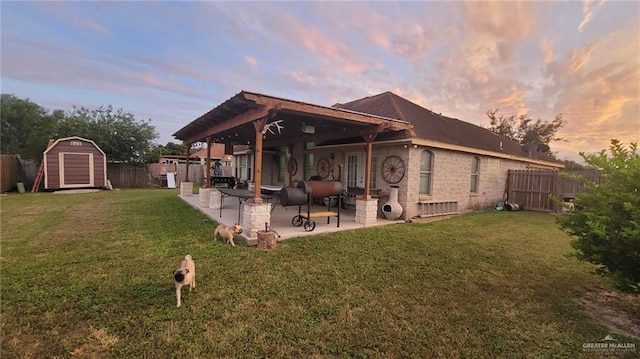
pixel 352 170
pixel 244 170
pixel 475 169
pixel 374 172
pixel 426 169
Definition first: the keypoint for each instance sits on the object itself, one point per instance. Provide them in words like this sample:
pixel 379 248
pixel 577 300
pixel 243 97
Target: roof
pixel 435 127
pixel 72 138
pixel 217 151
pixel 233 121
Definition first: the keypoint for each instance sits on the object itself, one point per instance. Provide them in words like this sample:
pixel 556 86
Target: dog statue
pixel 185 275
pixel 227 232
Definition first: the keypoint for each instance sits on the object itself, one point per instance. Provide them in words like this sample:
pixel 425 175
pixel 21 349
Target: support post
pixel 207 171
pixel 257 168
pixel 367 172
pixel 188 149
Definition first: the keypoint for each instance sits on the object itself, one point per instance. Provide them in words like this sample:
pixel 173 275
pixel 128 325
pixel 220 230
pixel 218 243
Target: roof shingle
pixel 432 126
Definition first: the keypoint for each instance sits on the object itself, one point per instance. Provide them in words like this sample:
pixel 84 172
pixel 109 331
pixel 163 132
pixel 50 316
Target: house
pixel 451 166
pixel 378 147
pixel 74 162
pixel 221 164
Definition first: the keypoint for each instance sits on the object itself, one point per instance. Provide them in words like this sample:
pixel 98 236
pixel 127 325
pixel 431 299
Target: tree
pixel 524 129
pixel 26 127
pixel 606 221
pixel 119 134
pixel 570 165
pixel 169 149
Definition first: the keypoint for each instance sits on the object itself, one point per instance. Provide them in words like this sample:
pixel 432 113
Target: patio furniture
pixel 241 194
pixel 222 181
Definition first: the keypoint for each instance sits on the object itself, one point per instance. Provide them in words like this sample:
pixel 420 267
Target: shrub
pixel 606 221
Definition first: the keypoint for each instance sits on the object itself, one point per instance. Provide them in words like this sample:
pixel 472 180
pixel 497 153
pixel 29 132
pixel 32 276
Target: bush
pixel 606 221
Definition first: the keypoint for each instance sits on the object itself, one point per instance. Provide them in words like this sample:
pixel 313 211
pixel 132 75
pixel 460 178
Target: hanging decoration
pixel 273 125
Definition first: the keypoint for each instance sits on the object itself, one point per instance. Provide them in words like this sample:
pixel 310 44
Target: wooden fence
pixel 124 175
pixel 534 189
pixel 14 169
pixel 8 172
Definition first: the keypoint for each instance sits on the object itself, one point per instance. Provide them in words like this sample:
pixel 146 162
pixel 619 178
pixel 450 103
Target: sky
pixel 172 61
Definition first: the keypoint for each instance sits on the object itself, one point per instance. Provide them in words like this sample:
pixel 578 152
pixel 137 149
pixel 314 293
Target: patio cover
pixel 263 121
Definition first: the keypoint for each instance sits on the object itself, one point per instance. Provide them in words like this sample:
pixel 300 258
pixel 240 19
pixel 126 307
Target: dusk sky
pixel 173 61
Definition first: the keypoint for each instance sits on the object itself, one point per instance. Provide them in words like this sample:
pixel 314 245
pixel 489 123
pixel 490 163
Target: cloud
pixel 505 24
pixel 32 61
pixel 547 50
pixel 589 10
pixel 411 39
pixel 597 87
pixel 580 57
pixel 251 61
pixel 68 14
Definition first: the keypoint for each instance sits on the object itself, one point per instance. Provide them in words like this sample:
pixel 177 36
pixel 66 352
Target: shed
pixel 74 162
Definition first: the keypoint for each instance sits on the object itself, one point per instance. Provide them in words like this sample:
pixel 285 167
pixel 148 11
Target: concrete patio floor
pixel 281 218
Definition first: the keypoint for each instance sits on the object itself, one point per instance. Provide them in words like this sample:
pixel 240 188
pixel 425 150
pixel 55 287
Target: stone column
pixel 254 216
pixel 204 192
pixel 186 188
pixel 215 199
pixel 367 211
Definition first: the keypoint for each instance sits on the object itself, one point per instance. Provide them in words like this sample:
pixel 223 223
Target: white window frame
pixel 426 173
pixel 475 175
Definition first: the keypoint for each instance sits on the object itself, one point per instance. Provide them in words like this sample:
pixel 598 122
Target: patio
pixel 281 218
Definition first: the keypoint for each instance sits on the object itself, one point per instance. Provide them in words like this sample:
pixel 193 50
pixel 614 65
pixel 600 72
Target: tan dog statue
pixel 227 232
pixel 185 275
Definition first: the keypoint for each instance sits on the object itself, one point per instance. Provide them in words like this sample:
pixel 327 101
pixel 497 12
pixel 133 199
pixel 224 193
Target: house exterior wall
pixel 83 163
pixel 451 181
pixel 451 177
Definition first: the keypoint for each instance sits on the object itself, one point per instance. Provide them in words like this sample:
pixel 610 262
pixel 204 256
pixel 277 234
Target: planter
pixel 392 210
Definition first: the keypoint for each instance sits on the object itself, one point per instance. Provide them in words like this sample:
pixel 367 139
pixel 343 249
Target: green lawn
pixel 89 275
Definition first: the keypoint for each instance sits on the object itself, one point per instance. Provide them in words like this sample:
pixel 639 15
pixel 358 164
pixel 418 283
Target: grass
pixel 89 275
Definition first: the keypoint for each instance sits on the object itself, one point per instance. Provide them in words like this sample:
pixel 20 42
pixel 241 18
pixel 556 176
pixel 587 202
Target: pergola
pixel 263 121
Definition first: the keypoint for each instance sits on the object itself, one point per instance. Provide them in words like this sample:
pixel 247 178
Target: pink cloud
pixel 589 10
pixel 547 51
pixel 251 61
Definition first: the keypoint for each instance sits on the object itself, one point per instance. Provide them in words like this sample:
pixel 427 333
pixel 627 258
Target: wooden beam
pixel 333 135
pixel 243 118
pixel 257 168
pixel 207 171
pixel 188 148
pixel 339 114
pixel 367 173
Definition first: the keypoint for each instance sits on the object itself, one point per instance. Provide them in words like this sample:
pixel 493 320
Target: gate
pixel 533 189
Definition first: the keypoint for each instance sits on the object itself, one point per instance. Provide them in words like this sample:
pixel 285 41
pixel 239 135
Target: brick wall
pixel 451 180
pixel 451 177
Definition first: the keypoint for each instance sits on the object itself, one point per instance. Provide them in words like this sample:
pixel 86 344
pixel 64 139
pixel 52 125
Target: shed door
pixel 76 170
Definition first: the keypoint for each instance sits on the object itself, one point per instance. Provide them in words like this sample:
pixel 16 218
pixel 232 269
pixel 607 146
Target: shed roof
pixel 72 138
